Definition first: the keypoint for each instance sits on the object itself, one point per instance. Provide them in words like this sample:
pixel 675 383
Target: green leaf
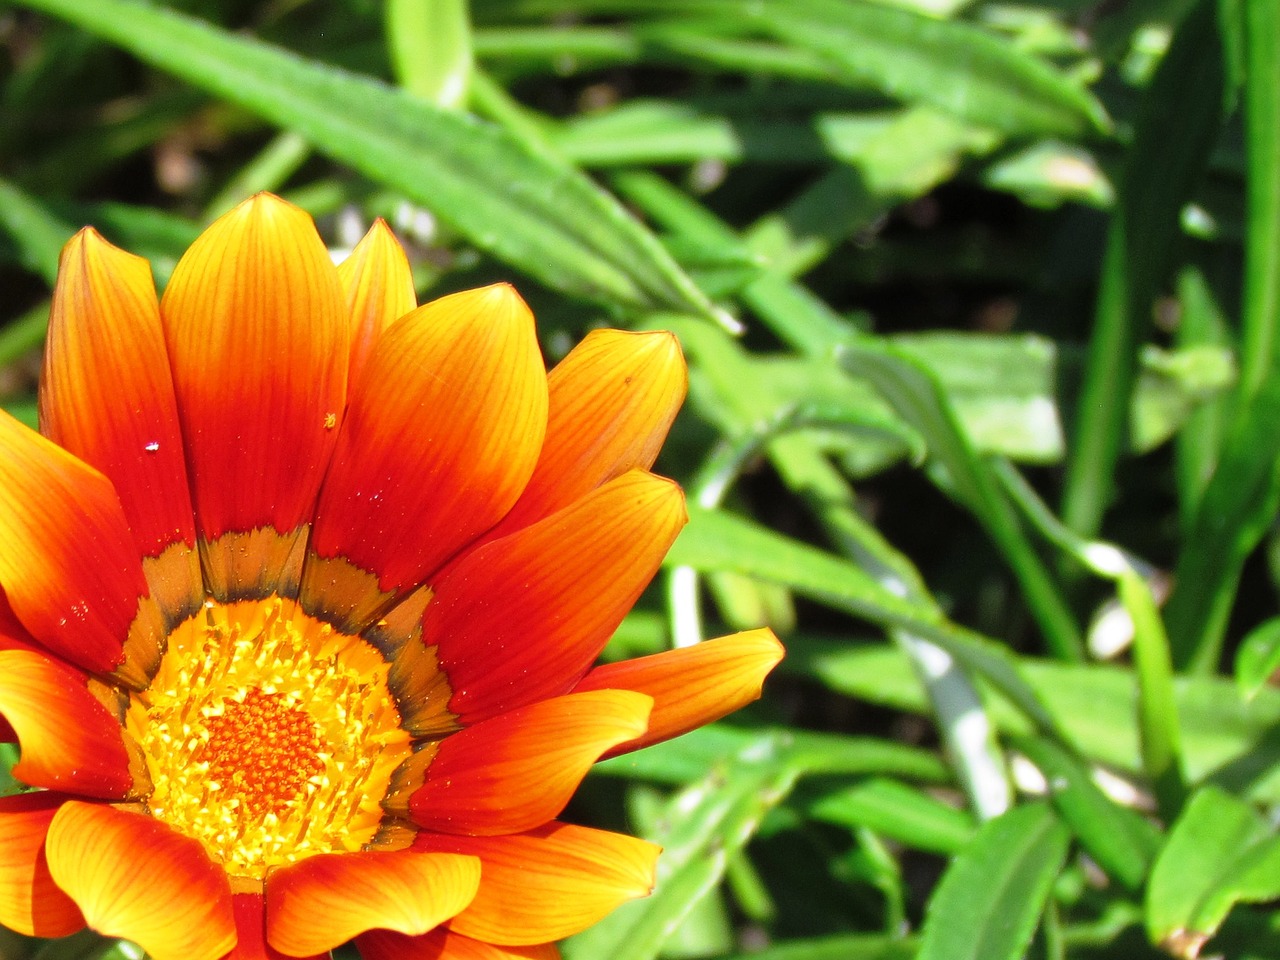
pixel 519 203
pixel 1157 707
pixel 1050 174
pixel 893 810
pixel 688 757
pixel 1181 114
pixel 1119 839
pixel 1258 657
pixel 705 825
pixel 1235 512
pixel 37 230
pixel 956 67
pixel 1220 852
pixel 988 902
pixel 1233 743
pixel 643 132
pixel 715 540
pixel 1260 314
pixel 857 946
pixel 430 44
pixel 917 397
pixel 1003 389
pixel 1242 496
pixel 23 410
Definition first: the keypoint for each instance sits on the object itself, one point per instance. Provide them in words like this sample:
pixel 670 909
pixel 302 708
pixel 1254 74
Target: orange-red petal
pixel 134 877
pixel 548 883
pixel 612 400
pixel 256 329
pixel 251 931
pixel 69 566
pixel 443 944
pixel 13 635
pixel 522 618
pixel 30 902
pixel 378 286
pixel 519 769
pixel 69 741
pixel 693 685
pixel 441 435
pixel 106 393
pixel 318 903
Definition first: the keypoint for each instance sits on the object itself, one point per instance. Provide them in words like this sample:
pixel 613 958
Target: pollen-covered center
pixel 269 736
pixel 263 751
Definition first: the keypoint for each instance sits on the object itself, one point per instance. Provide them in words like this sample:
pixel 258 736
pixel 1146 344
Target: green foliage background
pixel 980 302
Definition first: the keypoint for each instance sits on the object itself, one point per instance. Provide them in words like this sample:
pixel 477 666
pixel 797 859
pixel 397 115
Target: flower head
pixel 301 586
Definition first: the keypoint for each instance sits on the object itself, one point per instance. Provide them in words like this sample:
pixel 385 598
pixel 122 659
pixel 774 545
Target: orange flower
pixel 302 587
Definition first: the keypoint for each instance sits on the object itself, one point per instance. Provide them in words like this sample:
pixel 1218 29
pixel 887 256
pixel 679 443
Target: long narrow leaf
pixel 715 540
pixel 988 902
pixel 916 396
pixel 1181 116
pixel 954 66
pixel 520 204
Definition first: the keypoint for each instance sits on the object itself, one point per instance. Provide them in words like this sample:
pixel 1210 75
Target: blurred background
pixel 979 302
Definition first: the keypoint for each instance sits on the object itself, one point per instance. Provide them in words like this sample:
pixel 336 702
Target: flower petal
pixel 69 566
pixel 378 285
pixel 69 740
pixel 612 400
pixel 693 685
pixel 523 618
pixel 440 437
pixel 442 944
pixel 257 336
pixel 519 769
pixel 323 901
pixel 134 877
pixel 30 902
pixel 106 395
pixel 548 883
pixel 13 635
pixel 251 931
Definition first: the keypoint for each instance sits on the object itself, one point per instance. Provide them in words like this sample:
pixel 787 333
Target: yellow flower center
pixel 269 736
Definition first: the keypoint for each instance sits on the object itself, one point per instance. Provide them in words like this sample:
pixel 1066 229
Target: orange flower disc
pixel 268 736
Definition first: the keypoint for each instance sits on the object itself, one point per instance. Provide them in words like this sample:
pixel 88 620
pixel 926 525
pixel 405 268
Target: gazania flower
pixel 302 588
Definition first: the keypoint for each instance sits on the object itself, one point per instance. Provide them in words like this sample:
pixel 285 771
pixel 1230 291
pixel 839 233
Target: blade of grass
pixel 956 67
pixel 1241 499
pixel 1179 121
pixel 1159 732
pixel 707 824
pixel 1235 512
pixel 430 43
pixel 988 902
pixel 274 164
pixel 1198 442
pixel 915 394
pixel 520 204
pixel 893 810
pixel 25 334
pixel 1122 841
pixel 687 757
pixel 1157 707
pixel 960 712
pixel 1220 851
pixel 38 232
pixel 1260 313
pixel 715 540
pixel 848 946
